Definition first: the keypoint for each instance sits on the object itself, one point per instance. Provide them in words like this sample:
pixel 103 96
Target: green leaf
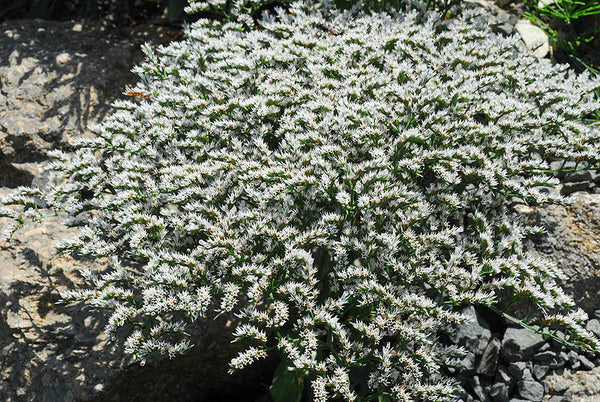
pixel 287 384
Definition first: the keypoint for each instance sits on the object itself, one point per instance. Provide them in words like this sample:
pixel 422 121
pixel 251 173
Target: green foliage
pixel 572 25
pixel 288 383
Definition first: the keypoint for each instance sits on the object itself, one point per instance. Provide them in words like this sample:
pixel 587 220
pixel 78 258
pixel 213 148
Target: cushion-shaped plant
pixel 341 182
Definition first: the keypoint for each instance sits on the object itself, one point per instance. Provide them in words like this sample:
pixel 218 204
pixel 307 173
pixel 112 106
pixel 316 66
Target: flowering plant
pixel 341 191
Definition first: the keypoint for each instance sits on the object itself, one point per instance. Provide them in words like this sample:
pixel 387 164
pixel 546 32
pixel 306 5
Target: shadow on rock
pixel 57 78
pixel 56 352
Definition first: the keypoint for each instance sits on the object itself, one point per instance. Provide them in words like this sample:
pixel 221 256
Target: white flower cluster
pixel 343 191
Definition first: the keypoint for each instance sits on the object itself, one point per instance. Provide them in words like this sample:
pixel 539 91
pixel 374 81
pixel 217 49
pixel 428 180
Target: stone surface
pixel 531 390
pixel 479 389
pixel 534 38
pixel 593 326
pixel 540 370
pixel 516 369
pixel 545 357
pixel 586 363
pixel 499 392
pixel 559 360
pixel 584 385
pixel 579 176
pixel 473 335
pixel 53 352
pixel 503 376
pixel 489 360
pixel 55 79
pixel 572 187
pixel 519 344
pixel 573 243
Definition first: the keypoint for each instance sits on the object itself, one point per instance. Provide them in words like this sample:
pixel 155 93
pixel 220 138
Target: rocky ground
pixel 56 78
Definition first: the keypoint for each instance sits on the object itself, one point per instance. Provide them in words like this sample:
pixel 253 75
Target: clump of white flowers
pixel 341 182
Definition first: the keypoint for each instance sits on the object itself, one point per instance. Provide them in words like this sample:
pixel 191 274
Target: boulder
pixel 55 79
pixel 55 352
pixel 531 390
pixel 489 360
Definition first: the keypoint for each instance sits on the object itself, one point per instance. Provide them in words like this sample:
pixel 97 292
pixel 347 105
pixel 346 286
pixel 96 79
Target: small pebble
pixel 63 58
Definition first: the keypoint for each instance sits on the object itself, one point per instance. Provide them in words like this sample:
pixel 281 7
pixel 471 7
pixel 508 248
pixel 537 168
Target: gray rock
pixel 520 344
pixel 576 365
pixel 559 168
pixel 546 346
pixel 503 28
pixel 474 335
pixel 503 376
pixel 572 243
pixel 573 187
pixel 54 81
pixel 479 389
pixel 464 396
pixel 581 386
pixel 528 375
pixel 53 352
pixel 586 363
pixel 503 3
pixel 516 370
pixel 579 176
pixel 499 392
pixel 545 357
pixel 489 360
pixel 559 361
pixel 593 326
pixel 560 386
pixel 503 22
pixel 531 390
pixel 540 370
pixel 572 357
pixel 534 38
pixel 467 364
